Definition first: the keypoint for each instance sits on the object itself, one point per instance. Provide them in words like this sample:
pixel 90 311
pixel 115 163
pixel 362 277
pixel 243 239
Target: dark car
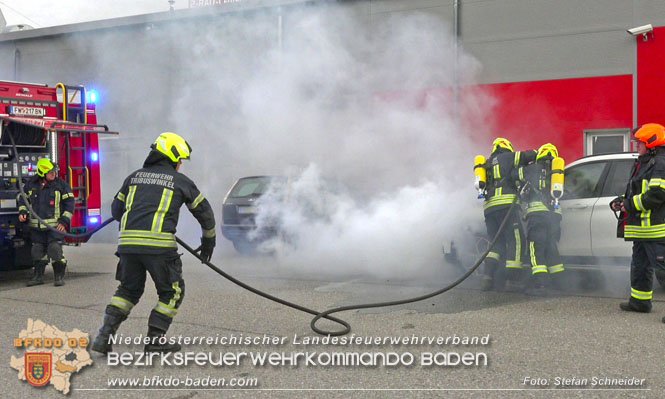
pixel 240 208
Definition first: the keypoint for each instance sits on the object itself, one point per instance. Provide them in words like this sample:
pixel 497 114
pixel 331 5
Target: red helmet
pixel 651 134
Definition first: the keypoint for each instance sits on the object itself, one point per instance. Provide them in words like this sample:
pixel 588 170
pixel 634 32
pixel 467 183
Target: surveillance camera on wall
pixel 641 30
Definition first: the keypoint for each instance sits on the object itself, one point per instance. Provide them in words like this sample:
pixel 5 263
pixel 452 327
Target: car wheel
pixel 244 247
pixel 660 276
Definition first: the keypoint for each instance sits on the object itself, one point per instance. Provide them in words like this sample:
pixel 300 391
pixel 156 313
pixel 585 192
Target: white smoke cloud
pixel 321 109
pixel 335 95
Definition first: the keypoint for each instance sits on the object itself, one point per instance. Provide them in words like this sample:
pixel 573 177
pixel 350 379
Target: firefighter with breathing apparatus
pixel 543 188
pixel 51 198
pixel 147 207
pixel 496 185
pixel 643 215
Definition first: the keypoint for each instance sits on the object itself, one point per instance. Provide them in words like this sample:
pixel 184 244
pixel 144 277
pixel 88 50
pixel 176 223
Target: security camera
pixel 640 30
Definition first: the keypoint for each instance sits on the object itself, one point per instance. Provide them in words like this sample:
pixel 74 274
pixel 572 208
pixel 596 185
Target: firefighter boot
pixel 636 305
pixel 59 273
pixel 538 285
pixel 486 283
pixel 158 342
pixel 514 280
pixel 38 276
pixel 112 320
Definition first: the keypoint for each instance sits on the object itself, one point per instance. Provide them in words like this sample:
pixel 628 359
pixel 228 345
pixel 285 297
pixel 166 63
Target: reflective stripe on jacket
pixel 51 201
pixel 645 199
pixel 501 169
pixel 538 175
pixel 148 206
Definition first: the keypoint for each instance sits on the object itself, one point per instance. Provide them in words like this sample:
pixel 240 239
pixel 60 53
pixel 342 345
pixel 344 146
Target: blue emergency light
pixel 92 96
pixel 94 156
pixel 93 219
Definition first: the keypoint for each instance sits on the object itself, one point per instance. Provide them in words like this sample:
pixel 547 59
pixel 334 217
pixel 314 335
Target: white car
pixel 589 227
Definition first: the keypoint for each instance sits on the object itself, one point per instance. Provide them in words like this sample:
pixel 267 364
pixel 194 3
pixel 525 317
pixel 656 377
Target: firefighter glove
pixel 616 203
pixel 64 221
pixel 207 247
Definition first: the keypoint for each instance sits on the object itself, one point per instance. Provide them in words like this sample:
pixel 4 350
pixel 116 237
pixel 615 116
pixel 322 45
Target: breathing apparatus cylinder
pixel 557 181
pixel 480 175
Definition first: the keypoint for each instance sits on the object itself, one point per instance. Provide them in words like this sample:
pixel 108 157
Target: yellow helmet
pixel 44 166
pixel 547 149
pixel 173 146
pixel 502 143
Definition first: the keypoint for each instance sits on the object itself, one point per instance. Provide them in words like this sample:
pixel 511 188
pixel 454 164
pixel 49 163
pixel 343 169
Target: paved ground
pixel 576 334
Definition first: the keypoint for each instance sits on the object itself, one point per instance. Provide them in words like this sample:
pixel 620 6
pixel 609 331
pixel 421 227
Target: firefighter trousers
pixel 543 233
pixel 508 247
pixel 165 271
pixel 46 244
pixel 647 256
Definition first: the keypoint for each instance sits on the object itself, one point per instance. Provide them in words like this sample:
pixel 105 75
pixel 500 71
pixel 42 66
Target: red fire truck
pixel 58 123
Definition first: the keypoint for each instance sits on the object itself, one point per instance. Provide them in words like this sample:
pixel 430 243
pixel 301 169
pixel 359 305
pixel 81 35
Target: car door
pixel 604 242
pixel 583 183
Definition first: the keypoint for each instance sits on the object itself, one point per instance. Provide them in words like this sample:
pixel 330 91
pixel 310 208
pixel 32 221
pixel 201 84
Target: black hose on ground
pixel 232 279
pixel 326 314
pixel 416 299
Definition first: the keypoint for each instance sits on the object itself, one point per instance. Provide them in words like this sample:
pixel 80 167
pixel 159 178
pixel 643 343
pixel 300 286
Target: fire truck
pixel 58 123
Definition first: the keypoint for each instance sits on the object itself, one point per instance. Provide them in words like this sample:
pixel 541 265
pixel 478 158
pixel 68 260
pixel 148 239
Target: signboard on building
pixel 203 3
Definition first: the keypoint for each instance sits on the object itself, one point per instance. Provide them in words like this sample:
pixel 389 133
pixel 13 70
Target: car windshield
pixel 253 186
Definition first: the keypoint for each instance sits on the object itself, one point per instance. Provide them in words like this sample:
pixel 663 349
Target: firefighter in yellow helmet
pixel 147 207
pixel 500 192
pixel 51 198
pixel 643 215
pixel 543 221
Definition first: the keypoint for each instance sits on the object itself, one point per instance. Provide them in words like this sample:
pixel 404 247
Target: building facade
pixel 564 71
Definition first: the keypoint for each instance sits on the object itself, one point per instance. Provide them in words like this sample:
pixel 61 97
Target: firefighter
pixel 501 190
pixel 51 198
pixel 643 206
pixel 147 207
pixel 543 221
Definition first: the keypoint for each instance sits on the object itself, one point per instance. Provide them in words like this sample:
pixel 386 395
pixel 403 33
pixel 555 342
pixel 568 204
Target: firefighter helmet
pixel 651 134
pixel 502 143
pixel 173 146
pixel 547 149
pixel 44 166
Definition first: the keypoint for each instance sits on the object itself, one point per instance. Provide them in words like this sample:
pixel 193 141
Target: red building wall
pixel 651 78
pixel 558 111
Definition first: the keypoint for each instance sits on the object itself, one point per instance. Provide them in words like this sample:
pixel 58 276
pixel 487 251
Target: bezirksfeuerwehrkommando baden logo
pixel 51 356
pixel 38 368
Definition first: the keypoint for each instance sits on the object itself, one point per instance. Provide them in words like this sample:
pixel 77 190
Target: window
pixel 583 181
pixel 248 187
pixel 606 141
pixel 618 178
pixel 256 186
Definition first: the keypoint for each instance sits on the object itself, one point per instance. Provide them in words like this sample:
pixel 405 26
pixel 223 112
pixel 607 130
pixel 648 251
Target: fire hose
pixel 317 315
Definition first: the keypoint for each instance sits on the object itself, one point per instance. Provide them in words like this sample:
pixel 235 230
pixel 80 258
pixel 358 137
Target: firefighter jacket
pixel 148 206
pixel 51 201
pixel 645 199
pixel 501 189
pixel 538 176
